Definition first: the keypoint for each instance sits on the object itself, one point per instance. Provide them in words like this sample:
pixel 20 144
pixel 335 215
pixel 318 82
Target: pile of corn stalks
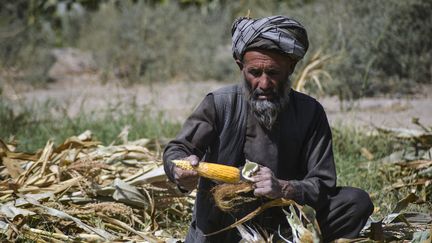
pixel 83 191
pixel 409 169
pixel 411 165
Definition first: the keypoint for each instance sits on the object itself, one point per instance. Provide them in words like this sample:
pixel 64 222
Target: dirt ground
pixel 178 99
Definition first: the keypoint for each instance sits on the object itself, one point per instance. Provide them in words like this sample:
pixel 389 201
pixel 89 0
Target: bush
pixel 30 29
pixel 382 46
pixel 405 49
pixel 145 43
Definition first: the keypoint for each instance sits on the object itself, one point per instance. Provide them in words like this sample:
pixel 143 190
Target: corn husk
pixel 83 191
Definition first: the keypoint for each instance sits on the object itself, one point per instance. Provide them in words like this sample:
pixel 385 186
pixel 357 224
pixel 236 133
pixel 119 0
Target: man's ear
pixel 239 64
pixel 291 67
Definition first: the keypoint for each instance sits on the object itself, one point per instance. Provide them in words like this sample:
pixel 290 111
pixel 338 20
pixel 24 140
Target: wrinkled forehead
pixel 269 56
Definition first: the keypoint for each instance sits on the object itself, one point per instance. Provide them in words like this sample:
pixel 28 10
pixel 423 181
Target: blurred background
pixel 81 59
pixel 139 67
pixel 377 47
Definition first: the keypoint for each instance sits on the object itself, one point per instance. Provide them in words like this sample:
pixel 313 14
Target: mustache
pixel 258 91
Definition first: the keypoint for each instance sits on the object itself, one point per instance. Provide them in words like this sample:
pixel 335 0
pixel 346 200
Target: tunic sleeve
pixel 196 135
pixel 317 155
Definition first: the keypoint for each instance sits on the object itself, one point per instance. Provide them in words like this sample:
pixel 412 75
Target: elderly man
pixel 263 120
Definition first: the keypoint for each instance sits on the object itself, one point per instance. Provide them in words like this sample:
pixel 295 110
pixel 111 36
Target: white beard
pixel 267 111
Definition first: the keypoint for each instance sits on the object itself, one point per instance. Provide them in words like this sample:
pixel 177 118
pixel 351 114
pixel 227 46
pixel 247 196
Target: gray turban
pixel 279 33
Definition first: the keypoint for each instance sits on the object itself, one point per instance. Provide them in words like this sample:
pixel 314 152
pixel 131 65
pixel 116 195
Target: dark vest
pixel 231 112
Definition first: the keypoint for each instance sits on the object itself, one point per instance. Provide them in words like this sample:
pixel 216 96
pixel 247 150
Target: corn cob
pixel 213 171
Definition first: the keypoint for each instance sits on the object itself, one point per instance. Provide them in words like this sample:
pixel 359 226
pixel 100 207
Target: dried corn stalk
pixel 83 191
pixel 314 71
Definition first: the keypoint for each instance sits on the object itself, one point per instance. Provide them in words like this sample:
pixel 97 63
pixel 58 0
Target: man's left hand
pixel 266 184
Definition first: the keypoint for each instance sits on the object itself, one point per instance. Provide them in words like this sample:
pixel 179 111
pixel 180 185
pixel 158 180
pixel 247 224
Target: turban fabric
pixel 279 33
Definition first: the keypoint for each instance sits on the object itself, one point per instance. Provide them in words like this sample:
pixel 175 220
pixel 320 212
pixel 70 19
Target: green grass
pixel 375 177
pixel 349 160
pixel 33 126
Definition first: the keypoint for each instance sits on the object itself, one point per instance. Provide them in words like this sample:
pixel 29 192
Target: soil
pixel 177 99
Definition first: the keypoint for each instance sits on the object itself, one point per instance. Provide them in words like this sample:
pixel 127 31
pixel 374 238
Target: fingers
pixel 186 179
pixel 261 177
pixel 264 192
pixel 262 174
pixel 181 174
pixel 265 183
pixel 263 170
pixel 193 160
pixel 272 191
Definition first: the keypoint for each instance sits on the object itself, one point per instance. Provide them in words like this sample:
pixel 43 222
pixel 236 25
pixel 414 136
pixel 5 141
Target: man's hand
pixel 187 179
pixel 266 184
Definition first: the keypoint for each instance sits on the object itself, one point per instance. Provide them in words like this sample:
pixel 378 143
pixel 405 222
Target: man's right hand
pixel 187 179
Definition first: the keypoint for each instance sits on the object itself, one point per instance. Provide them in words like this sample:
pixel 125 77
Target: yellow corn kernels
pixel 213 171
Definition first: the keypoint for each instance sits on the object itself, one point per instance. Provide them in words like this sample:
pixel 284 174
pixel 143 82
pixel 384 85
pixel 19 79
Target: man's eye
pixel 273 73
pixel 255 72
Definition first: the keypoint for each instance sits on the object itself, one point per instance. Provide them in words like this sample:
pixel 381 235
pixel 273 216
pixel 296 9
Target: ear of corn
pixel 213 171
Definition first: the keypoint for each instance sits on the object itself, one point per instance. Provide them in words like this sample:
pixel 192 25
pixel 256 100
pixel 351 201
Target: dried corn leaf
pixel 19 202
pixel 3 226
pixel 403 203
pixel 75 142
pixel 422 236
pixel 13 167
pixel 57 213
pixel 397 225
pixel 155 175
pixel 250 235
pixel 68 181
pixel 423 137
pixel 281 202
pixel 58 237
pixel 418 218
pixel 417 164
pixel 11 211
pixel 130 229
pixel 6 152
pixel 313 70
pixel 301 233
pixel 85 136
pixel 128 194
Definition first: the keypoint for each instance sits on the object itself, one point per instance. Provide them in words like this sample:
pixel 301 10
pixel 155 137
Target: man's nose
pixel 264 82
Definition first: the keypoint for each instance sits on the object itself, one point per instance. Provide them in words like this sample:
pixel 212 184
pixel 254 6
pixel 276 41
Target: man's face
pixel 266 72
pixel 266 75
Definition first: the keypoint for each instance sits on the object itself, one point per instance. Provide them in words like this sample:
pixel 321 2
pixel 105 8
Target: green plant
pixel 33 126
